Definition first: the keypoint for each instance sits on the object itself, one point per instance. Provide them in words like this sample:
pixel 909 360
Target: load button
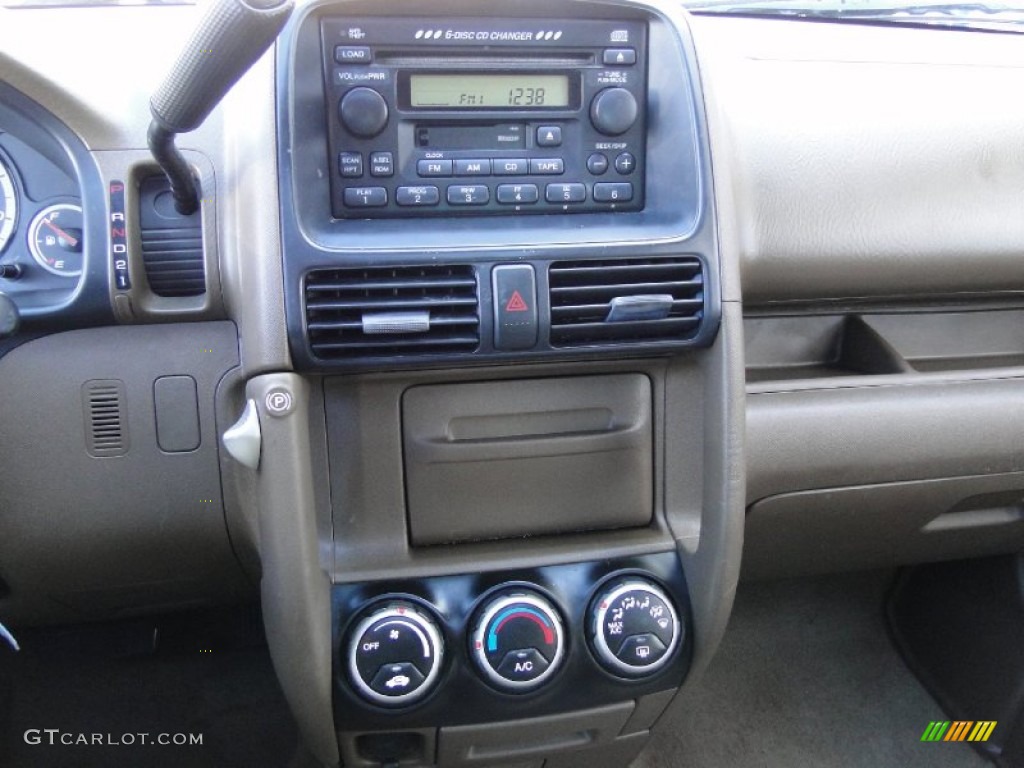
pixel 515 307
pixel 352 54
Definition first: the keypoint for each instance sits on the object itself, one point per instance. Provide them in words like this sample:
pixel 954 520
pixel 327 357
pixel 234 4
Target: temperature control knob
pixel 613 111
pixel 395 654
pixel 363 112
pixel 517 641
pixel 634 627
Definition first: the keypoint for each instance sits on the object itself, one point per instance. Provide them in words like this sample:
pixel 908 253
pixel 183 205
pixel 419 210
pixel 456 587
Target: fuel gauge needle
pixel 72 241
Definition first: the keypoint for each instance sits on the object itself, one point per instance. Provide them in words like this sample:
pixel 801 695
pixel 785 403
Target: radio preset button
pixel 434 167
pixel 565 193
pixel 382 164
pixel 469 194
pixel 417 196
pixel 517 194
pixel 597 163
pixel 472 167
pixel 549 136
pixel 363 112
pixel 613 192
pixel 350 165
pixel 625 163
pixel 352 54
pixel 547 167
pixel 366 197
pixel 516 167
pixel 619 57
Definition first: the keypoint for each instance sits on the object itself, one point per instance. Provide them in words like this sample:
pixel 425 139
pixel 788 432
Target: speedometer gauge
pixel 8 205
pixel 55 239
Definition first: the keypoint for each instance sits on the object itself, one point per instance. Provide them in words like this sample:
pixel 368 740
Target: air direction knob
pixel 517 642
pixel 634 628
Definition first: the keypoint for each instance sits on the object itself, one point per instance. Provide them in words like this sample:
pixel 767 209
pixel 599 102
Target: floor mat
pixel 93 697
pixel 806 677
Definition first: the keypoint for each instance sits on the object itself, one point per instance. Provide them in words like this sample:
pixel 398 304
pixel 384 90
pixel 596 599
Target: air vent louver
pixel 106 428
pixel 172 245
pixel 582 293
pixel 392 311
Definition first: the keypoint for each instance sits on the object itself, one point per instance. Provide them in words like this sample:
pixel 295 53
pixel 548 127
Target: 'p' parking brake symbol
pixel 279 402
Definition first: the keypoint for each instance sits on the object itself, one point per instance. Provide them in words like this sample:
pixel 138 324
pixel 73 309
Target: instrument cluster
pixel 42 231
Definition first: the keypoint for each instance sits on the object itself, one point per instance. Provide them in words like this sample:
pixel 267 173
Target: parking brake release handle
pixel 231 36
pixel 244 439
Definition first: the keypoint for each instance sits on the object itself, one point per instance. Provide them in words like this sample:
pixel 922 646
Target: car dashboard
pixel 500 345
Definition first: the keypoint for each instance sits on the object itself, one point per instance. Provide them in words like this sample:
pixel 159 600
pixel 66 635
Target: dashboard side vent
pixel 392 311
pixel 172 244
pixel 625 301
pixel 106 424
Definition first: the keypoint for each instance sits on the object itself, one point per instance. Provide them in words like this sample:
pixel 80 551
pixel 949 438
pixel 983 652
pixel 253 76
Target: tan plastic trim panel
pixel 250 221
pixel 295 589
pixel 140 304
pixel 98 519
pixel 866 161
pixel 856 436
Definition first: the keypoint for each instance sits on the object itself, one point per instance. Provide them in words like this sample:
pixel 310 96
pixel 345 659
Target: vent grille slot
pixel 392 311
pixel 106 424
pixel 172 245
pixel 582 294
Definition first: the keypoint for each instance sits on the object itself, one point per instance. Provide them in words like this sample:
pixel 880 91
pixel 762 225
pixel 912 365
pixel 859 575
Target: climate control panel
pixel 470 648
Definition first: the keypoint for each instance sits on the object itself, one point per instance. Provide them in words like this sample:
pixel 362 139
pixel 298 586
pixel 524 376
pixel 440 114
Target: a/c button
pixel 523 665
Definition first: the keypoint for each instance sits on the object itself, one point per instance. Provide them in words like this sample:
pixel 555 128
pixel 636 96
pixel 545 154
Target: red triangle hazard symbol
pixel 516 304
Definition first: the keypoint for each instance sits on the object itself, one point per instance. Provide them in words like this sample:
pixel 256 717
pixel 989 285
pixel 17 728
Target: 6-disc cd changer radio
pixel 437 117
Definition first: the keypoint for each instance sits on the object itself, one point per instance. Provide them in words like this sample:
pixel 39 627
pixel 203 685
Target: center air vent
pixel 392 311
pixel 625 301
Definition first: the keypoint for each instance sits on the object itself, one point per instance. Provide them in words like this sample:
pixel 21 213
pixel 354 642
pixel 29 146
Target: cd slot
pixel 449 58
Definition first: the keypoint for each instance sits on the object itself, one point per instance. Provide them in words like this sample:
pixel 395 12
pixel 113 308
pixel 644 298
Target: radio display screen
pixel 468 91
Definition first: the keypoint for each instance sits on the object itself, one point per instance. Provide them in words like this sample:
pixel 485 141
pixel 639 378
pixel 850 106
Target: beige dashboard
pixel 861 405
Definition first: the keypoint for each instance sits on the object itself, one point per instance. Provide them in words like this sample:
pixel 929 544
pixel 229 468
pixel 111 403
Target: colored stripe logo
pixel 959 730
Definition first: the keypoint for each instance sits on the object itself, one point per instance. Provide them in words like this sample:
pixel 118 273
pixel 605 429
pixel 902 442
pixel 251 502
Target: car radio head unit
pixel 430 117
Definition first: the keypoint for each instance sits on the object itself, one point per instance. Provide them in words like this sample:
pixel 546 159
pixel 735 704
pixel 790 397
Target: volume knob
pixel 363 112
pixel 613 111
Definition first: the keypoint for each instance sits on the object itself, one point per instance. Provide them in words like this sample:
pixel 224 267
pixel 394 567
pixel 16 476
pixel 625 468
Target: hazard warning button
pixel 515 307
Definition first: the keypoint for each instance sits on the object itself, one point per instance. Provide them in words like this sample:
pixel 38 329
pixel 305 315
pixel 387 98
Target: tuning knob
pixel 613 111
pixel 395 654
pixel 517 642
pixel 634 628
pixel 363 112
